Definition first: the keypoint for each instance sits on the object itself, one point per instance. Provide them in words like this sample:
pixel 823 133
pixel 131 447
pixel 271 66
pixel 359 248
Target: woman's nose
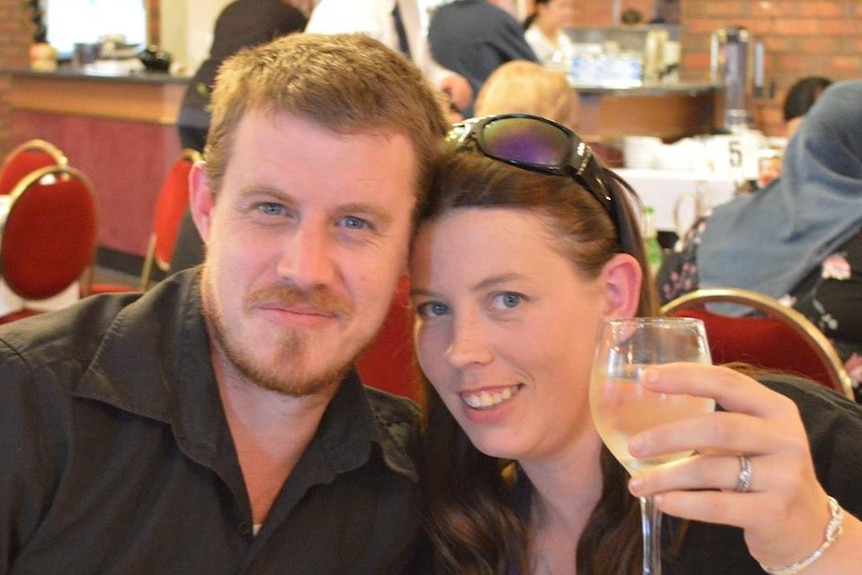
pixel 469 345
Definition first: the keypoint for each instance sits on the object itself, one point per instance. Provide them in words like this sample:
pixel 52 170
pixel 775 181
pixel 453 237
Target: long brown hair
pixel 470 506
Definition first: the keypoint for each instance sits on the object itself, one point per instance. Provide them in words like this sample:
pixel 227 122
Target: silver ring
pixel 743 480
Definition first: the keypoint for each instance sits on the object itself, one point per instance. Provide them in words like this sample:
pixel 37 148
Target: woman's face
pixel 505 330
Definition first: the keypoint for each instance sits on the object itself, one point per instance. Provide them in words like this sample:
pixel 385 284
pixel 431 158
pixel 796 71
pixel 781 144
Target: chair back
pixel 49 238
pixel 172 202
pixel 780 339
pixel 389 363
pixel 26 158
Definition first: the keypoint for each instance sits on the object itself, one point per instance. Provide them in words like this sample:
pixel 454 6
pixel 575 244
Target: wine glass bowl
pixel 622 407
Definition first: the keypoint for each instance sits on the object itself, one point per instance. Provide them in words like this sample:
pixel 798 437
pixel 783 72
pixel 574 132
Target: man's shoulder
pixel 60 333
pixel 77 332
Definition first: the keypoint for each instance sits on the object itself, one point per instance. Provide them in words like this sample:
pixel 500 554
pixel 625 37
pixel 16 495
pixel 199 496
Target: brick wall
pixel 16 31
pixel 801 38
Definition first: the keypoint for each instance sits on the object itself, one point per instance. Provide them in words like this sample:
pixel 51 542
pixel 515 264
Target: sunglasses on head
pixel 541 145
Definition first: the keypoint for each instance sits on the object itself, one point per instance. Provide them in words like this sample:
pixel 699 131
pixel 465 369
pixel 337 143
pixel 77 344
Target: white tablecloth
pixel 10 302
pixel 667 190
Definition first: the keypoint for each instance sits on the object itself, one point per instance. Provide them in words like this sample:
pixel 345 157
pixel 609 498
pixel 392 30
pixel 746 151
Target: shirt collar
pixel 162 370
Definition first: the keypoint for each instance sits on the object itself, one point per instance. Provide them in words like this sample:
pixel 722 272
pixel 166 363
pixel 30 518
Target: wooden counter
pixel 142 97
pixel 119 130
pixel 668 111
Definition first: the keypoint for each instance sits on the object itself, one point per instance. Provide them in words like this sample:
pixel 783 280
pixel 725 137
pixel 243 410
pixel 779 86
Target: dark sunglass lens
pixel 526 141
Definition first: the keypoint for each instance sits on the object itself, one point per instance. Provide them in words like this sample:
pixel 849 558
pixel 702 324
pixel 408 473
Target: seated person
pixel 799 100
pixel 529 88
pixel 513 267
pixel 798 239
pixel 474 38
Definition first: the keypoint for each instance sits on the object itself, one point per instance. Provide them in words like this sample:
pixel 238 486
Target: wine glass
pixel 621 407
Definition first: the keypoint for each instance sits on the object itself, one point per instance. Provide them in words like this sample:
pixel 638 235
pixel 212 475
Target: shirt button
pixel 244 528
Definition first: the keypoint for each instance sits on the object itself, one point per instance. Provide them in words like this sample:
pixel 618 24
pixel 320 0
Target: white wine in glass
pixel 621 407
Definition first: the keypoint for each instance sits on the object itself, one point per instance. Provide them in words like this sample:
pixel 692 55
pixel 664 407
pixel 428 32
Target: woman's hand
pixel 784 510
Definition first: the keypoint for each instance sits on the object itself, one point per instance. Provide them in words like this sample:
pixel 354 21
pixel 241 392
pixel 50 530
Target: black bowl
pixel 155 60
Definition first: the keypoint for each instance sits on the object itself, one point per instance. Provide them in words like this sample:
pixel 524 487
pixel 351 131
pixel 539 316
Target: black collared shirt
pixel 115 456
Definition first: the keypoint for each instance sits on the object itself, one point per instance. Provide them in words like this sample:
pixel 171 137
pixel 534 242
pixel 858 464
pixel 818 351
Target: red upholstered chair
pixel 390 364
pixel 49 238
pixel 172 202
pixel 26 158
pixel 170 207
pixel 780 339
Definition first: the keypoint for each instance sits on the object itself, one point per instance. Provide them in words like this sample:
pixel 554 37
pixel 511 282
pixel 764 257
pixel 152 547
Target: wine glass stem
pixel 651 527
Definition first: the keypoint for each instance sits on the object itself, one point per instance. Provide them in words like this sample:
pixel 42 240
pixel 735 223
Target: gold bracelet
pixel 833 532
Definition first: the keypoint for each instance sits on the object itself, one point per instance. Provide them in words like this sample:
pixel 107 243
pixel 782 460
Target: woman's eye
pixel 506 300
pixel 432 309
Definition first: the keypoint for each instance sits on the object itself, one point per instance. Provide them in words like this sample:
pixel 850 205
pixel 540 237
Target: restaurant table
pixel 677 197
pixel 11 302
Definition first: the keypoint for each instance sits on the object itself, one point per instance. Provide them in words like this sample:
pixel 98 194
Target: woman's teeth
pixel 488 399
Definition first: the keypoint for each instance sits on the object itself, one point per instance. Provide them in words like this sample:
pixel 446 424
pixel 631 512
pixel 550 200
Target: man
pixel 213 425
pixel 475 37
pixel 240 24
pixel 400 30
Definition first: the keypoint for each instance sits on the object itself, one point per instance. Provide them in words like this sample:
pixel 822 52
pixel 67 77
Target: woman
pixel 523 245
pixel 798 239
pixel 544 31
pixel 529 88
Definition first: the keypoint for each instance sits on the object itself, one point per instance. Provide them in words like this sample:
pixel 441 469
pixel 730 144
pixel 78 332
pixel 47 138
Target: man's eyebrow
pixel 378 212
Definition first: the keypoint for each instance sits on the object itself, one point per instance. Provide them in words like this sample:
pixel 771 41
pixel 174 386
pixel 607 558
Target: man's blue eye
pixel 355 223
pixel 271 208
pixel 507 300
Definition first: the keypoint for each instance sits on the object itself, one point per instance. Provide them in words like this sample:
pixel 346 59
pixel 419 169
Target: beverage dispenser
pixel 729 66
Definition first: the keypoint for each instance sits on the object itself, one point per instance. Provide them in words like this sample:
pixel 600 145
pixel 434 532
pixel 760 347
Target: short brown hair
pixel 348 83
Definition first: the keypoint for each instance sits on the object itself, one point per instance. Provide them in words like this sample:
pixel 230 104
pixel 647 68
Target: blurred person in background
pixel 240 24
pixel 475 37
pixel 799 239
pixel 398 24
pixel 530 88
pixel 800 97
pixel 545 32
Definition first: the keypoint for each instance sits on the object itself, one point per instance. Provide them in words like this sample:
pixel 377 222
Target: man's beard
pixel 285 375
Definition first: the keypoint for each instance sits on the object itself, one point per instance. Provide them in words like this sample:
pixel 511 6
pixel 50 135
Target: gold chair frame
pixel 42 145
pixel 772 308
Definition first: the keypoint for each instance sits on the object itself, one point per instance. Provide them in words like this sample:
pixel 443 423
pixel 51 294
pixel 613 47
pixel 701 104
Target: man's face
pixel 305 243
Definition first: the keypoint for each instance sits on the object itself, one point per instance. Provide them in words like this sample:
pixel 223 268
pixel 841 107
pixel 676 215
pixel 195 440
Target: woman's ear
pixel 201 199
pixel 621 278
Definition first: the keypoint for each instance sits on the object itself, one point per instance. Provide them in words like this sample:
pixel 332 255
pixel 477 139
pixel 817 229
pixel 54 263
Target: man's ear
pixel 621 278
pixel 201 199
